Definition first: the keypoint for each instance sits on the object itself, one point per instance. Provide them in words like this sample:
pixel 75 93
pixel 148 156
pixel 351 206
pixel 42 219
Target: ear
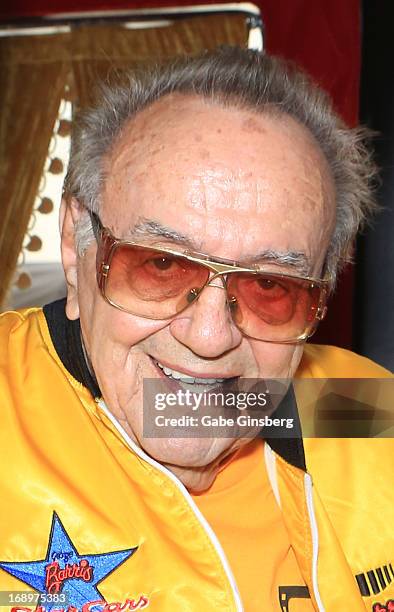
pixel 70 212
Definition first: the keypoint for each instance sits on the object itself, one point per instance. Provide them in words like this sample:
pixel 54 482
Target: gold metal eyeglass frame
pixel 107 244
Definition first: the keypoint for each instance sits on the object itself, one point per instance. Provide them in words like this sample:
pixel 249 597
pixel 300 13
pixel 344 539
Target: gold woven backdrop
pixel 33 73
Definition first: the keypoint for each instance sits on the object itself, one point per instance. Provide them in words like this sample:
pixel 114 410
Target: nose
pixel 207 327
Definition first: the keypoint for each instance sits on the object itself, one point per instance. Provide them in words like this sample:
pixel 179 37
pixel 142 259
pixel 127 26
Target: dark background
pixel 338 42
pixel 374 294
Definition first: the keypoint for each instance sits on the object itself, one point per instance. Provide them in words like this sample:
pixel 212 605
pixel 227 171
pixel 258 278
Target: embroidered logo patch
pixel 64 571
pixel 389 607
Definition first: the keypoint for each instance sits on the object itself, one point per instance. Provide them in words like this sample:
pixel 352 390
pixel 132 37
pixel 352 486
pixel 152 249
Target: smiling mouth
pixel 186 381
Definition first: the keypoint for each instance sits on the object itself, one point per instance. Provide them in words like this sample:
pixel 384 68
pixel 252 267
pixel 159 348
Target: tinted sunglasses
pixel 160 283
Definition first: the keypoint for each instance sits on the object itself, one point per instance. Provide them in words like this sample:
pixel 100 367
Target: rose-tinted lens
pixel 152 283
pixel 274 307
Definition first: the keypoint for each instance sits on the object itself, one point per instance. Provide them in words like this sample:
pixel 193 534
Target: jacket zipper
pixel 205 525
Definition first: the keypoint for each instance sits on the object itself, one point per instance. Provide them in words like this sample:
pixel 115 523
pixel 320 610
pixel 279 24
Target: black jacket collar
pixel 66 338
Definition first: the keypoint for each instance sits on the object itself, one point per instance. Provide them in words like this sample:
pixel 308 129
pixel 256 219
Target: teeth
pixel 188 379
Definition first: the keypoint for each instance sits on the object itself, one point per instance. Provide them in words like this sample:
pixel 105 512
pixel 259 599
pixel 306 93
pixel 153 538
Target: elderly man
pixel 208 206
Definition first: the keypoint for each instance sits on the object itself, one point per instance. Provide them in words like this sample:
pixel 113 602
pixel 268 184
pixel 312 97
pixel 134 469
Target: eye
pixel 162 263
pixel 273 286
pixel 267 283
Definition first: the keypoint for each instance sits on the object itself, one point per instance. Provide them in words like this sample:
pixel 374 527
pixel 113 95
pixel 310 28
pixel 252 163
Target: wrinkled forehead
pixel 181 127
pixel 231 164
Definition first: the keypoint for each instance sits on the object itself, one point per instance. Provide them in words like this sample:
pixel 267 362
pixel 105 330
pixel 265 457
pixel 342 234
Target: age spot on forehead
pixel 251 125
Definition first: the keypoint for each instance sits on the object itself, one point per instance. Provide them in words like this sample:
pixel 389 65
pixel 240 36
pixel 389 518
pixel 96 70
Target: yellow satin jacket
pixel 80 500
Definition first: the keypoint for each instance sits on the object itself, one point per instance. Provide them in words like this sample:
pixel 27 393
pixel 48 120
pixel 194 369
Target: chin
pixel 197 480
pixel 194 461
pixel 189 453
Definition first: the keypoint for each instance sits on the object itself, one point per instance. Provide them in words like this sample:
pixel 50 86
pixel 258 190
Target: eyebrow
pixel 146 228
pixel 294 259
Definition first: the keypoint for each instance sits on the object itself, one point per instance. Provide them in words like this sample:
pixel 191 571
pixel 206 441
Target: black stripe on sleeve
pixel 373 582
pixel 387 574
pixel 363 585
pixel 381 578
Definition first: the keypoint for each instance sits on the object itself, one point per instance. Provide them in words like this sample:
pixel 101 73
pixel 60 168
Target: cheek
pixel 119 361
pixel 276 360
pixel 114 335
pixel 107 330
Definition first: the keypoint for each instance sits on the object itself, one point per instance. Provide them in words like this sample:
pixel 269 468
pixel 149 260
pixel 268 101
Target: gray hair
pixel 239 78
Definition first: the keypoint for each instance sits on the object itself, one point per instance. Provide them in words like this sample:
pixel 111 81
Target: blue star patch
pixel 65 571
